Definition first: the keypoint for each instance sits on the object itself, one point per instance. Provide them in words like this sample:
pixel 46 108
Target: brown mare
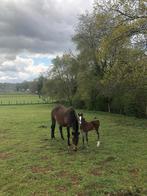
pixel 65 117
pixel 85 127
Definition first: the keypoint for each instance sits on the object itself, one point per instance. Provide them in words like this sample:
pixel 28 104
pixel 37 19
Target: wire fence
pixel 23 103
pixel 23 100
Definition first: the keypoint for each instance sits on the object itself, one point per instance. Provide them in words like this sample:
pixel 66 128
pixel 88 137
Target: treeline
pixel 33 87
pixel 7 87
pixel 109 70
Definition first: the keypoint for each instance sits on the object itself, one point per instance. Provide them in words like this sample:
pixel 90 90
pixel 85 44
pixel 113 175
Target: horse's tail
pixel 53 120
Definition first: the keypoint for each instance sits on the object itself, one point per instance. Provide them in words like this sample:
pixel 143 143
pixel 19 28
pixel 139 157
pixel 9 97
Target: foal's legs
pixel 98 137
pixel 86 133
pixel 61 133
pixel 53 128
pixel 83 135
pixel 68 136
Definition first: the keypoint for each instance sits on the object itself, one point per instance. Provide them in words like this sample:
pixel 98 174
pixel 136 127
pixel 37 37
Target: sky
pixel 33 32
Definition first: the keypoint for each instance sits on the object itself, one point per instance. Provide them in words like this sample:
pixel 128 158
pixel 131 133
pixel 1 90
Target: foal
pixel 88 126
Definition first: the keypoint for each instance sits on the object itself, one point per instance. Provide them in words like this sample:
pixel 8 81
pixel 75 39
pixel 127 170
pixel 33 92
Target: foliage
pixel 61 83
pixel 109 72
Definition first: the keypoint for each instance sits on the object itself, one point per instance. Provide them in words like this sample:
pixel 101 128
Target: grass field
pixel 21 98
pixel 32 164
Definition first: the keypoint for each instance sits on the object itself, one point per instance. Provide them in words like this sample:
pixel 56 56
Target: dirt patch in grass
pixel 42 126
pixel 73 178
pixel 134 172
pixel 91 188
pixel 41 170
pixel 62 189
pixel 42 193
pixel 4 130
pixel 107 160
pixel 44 158
pixel 82 193
pixel 5 155
pixel 4 133
pixel 94 186
pixel 133 192
pixel 63 174
pixel 3 136
pixel 96 171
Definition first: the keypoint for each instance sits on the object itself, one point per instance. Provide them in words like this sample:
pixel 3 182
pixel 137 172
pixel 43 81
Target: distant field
pixel 32 164
pixel 21 98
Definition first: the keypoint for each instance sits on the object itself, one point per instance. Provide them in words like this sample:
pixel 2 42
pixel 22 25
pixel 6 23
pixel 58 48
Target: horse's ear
pixel 78 114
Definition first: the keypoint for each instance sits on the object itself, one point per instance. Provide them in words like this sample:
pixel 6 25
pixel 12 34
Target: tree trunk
pixel 109 109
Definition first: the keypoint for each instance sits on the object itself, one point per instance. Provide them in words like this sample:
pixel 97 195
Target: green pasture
pixel 32 164
pixel 21 98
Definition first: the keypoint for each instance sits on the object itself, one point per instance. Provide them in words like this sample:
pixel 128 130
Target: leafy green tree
pixel 109 71
pixel 40 81
pixel 61 83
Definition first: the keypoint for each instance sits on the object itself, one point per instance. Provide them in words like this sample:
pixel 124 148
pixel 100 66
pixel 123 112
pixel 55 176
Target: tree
pixel 61 82
pixel 109 71
pixel 108 54
pixel 40 81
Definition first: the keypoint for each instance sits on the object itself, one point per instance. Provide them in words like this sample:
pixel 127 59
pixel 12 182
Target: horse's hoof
pixel 75 148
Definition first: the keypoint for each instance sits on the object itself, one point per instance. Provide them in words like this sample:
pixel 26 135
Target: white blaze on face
pixel 80 120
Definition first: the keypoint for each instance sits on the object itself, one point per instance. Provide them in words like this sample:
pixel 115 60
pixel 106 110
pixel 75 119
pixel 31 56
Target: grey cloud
pixel 43 26
pixel 35 27
pixel 8 69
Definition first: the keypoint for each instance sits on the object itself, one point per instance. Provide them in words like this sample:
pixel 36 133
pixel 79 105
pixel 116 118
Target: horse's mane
pixel 73 118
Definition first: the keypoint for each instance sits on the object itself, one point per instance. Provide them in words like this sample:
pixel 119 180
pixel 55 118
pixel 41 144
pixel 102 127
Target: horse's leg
pixel 53 128
pixel 68 136
pixel 86 133
pixel 61 133
pixel 98 137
